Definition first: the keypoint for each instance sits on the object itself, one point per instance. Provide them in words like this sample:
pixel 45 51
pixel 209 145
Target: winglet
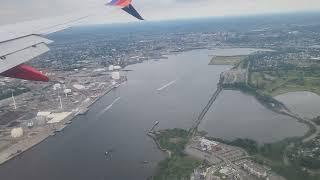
pixel 130 9
pixel 126 6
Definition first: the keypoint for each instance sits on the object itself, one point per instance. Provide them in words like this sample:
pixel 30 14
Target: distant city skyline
pixel 12 11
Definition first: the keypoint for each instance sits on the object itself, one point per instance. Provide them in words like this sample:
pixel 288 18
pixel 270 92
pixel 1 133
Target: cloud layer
pixel 16 10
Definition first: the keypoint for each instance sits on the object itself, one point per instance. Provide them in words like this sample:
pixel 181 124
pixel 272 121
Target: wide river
pixel 171 91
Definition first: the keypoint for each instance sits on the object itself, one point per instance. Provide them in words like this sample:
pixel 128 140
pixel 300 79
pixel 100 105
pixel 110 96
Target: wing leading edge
pixel 13 53
pixel 21 42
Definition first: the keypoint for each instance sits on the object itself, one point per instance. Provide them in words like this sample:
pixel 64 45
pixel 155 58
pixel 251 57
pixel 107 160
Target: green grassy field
pixel 279 82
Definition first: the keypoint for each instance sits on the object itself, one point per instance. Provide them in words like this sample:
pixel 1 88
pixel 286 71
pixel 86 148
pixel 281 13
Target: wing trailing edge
pixel 22 42
pixel 14 53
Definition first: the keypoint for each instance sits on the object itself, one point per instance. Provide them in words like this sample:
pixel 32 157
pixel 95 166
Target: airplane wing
pixel 24 41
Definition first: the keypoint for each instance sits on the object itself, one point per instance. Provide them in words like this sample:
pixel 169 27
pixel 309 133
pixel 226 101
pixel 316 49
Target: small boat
pixel 145 162
pixel 107 153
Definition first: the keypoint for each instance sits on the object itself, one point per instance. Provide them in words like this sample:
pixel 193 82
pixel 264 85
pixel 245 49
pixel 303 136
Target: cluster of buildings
pixel 51 118
pixel 224 162
pixel 220 150
pixel 254 170
pixel 307 153
pixel 49 107
pixel 285 59
pixel 28 118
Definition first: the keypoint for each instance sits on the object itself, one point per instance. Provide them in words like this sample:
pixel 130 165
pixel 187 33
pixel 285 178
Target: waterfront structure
pixel 207 145
pixel 58 117
pixel 42 116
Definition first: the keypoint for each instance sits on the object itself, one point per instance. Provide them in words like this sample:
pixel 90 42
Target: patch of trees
pixel 178 166
pixel 251 146
pixel 309 162
pixel 164 138
pixel 317 120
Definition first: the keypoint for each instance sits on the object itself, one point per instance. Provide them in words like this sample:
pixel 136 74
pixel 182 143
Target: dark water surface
pixel 238 115
pixel 78 152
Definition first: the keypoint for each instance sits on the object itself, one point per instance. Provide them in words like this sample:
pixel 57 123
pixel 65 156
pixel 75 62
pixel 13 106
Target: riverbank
pixel 275 154
pixel 39 134
pixel 261 153
pixel 276 106
pixel 271 154
pixel 263 95
pixel 207 155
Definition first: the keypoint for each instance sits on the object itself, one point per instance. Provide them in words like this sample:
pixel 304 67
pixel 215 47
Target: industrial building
pixel 207 145
pixel 255 170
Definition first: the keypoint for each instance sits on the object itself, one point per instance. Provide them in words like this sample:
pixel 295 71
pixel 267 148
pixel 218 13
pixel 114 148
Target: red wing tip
pixel 25 72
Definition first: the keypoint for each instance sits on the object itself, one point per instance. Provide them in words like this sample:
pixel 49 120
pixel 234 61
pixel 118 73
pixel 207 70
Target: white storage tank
pixel 111 67
pixel 17 132
pixel 67 92
pixel 56 86
pixel 79 87
pixel 115 75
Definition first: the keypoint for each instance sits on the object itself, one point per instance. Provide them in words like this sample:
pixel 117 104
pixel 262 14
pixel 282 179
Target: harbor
pixel 53 127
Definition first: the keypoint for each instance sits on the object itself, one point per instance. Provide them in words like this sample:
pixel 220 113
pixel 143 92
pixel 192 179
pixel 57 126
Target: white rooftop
pixel 43 113
pixel 58 117
pixel 79 87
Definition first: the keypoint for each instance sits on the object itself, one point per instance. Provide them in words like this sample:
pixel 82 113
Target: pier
pixel 154 125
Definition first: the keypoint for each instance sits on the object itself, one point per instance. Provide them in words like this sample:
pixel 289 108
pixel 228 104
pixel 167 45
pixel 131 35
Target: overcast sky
pixel 21 10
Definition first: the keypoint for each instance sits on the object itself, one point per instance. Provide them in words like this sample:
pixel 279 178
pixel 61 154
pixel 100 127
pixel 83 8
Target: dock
pixel 154 125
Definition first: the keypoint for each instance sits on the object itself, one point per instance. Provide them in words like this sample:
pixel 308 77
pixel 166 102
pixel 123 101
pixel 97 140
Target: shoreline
pixel 313 129
pixel 48 130
pixel 25 144
pixel 153 136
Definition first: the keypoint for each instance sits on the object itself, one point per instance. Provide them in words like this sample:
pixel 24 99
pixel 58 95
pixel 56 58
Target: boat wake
pixel 109 106
pixel 166 85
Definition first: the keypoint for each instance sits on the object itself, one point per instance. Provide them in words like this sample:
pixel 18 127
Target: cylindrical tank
pixel 111 67
pixel 117 67
pixel 16 132
pixel 115 75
